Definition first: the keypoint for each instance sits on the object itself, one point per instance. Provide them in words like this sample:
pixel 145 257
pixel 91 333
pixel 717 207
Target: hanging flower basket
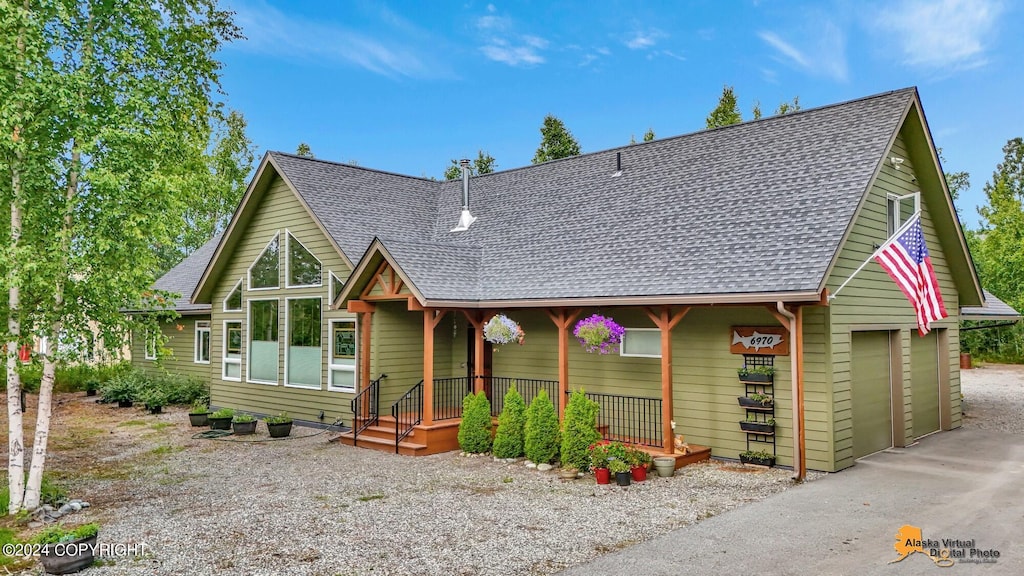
pixel 599 334
pixel 503 330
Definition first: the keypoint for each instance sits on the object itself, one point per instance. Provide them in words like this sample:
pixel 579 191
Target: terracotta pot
pixel 602 475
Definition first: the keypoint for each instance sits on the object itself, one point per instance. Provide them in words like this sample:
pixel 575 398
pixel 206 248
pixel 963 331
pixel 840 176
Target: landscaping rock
pixel 530 464
pixel 544 467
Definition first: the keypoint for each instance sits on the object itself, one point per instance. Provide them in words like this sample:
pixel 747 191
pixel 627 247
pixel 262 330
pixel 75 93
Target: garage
pixel 924 379
pixel 870 393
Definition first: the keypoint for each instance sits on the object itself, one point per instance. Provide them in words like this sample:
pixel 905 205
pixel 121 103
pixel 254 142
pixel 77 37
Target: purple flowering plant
pixel 503 330
pixel 599 334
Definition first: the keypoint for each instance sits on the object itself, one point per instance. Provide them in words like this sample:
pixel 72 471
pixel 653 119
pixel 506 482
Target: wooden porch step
pixel 384 444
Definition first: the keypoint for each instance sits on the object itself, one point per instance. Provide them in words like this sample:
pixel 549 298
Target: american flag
pixel 905 258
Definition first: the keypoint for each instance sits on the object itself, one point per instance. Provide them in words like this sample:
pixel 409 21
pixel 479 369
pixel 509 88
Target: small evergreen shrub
pixel 475 429
pixel 541 431
pixel 124 387
pixel 579 431
pixel 508 441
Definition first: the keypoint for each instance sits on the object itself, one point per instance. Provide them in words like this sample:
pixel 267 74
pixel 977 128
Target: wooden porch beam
pixel 782 319
pixel 360 306
pixel 413 305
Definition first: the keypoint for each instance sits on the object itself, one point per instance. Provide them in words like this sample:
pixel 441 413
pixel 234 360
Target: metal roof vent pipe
pixel 465 219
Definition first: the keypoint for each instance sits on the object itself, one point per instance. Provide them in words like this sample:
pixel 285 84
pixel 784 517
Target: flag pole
pixel 896 234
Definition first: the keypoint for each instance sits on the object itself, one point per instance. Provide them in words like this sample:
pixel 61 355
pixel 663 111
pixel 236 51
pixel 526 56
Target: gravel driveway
pixel 309 506
pixel 994 397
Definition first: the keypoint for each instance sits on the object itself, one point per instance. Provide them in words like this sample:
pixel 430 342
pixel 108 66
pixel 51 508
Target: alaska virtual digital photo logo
pixel 944 553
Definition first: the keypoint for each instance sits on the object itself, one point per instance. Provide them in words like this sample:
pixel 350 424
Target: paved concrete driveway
pixel 964 484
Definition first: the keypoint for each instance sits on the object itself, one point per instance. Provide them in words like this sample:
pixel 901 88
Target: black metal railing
pixel 497 386
pixel 631 419
pixel 407 412
pixel 366 408
pixel 448 396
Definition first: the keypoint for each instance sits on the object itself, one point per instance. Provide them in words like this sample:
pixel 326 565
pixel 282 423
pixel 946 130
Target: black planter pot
pixel 757 427
pixel 623 478
pixel 155 410
pixel 200 419
pixel 68 557
pixel 759 461
pixel 124 403
pixel 90 392
pixel 244 428
pixel 279 430
pixel 220 423
pixel 751 403
pixel 760 378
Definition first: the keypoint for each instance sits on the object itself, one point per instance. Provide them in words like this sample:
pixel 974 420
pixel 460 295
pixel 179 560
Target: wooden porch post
pixel 562 319
pixel 478 319
pixel 365 311
pixel 428 367
pixel 665 320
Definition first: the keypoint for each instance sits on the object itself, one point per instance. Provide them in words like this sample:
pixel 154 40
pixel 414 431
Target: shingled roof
pixel 183 278
pixel 759 207
pixel 994 309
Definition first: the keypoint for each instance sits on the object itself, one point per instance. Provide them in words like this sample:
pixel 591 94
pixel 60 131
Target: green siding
pixel 873 301
pixel 180 344
pixel 278 210
pixel 397 350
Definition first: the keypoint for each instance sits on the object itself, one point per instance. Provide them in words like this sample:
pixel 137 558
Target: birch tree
pixel 106 110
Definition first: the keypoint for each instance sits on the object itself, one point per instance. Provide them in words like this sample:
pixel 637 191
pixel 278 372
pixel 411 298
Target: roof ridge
pixel 705 130
pixel 356 166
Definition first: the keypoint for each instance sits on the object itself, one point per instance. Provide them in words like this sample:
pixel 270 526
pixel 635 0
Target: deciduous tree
pixel 555 141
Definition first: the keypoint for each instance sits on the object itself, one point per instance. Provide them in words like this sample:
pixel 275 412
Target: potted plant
pixel 756 401
pixel 599 462
pixel 759 457
pixel 199 415
pixel 501 329
pixel 91 386
pixel 757 426
pixel 279 426
pixel 638 463
pixel 599 334
pixel 759 374
pixel 221 419
pixel 123 388
pixel 621 470
pixel 244 424
pixel 154 399
pixel 65 551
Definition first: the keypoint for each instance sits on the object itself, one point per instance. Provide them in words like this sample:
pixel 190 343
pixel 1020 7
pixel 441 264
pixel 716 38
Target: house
pixel 331 276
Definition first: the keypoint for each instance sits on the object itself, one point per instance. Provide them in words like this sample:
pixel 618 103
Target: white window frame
pixel 248 274
pixel 287 264
pixel 287 345
pixel 332 280
pixel 331 366
pixel 151 345
pixel 200 327
pixel 894 207
pixel 225 361
pixel 237 286
pixel 248 341
pixel 622 345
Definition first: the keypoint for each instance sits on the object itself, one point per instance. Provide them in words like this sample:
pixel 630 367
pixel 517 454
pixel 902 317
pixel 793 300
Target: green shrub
pixel 223 413
pixel 579 431
pixel 153 397
pixel 57 533
pixel 475 428
pixel 282 418
pixel 124 387
pixel 541 431
pixel 181 389
pixel 508 441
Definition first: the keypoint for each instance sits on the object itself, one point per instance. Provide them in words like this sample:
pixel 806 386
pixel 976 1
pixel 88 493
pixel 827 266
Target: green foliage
pixel 124 387
pixel 58 533
pixel 483 164
pixel 788 107
pixel 541 430
pixel 50 492
pixel 508 440
pixel 475 428
pixel 757 455
pixel 555 141
pixel 181 389
pixel 649 135
pixel 761 370
pixel 616 466
pixel 223 413
pixel 282 418
pixel 599 455
pixel 727 112
pixel 153 397
pixel 579 431
pixel 243 418
pixel 200 407
pixel 304 150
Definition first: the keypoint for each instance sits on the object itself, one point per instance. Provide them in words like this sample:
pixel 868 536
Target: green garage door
pixel 924 379
pixel 872 414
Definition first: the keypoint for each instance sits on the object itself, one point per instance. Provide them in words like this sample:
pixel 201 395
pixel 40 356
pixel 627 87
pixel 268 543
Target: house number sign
pixel 771 340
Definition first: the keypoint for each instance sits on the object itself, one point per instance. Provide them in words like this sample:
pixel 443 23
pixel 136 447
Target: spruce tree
pixel 541 440
pixel 508 441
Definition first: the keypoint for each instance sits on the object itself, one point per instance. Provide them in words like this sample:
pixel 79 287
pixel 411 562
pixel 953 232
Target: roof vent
pixel 618 164
pixel 465 218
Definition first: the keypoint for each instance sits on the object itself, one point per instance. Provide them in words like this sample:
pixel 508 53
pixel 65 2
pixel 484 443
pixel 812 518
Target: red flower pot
pixel 602 475
pixel 639 473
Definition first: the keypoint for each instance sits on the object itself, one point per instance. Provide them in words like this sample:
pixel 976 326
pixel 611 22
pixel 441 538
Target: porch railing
pixel 407 412
pixel 448 396
pixel 497 386
pixel 631 419
pixel 366 405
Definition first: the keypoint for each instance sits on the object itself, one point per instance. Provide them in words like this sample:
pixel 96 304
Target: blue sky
pixel 407 86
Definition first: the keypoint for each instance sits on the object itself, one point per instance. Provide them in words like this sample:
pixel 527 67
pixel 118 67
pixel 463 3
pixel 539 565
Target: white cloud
pixel 603 51
pixel 491 8
pixel 275 34
pixel 500 50
pixel 503 45
pixel 825 56
pixel 641 39
pixel 943 34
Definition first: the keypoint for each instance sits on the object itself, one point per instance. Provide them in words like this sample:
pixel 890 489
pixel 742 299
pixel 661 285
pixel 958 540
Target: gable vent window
pixel 264 271
pixel 303 267
pixel 233 303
